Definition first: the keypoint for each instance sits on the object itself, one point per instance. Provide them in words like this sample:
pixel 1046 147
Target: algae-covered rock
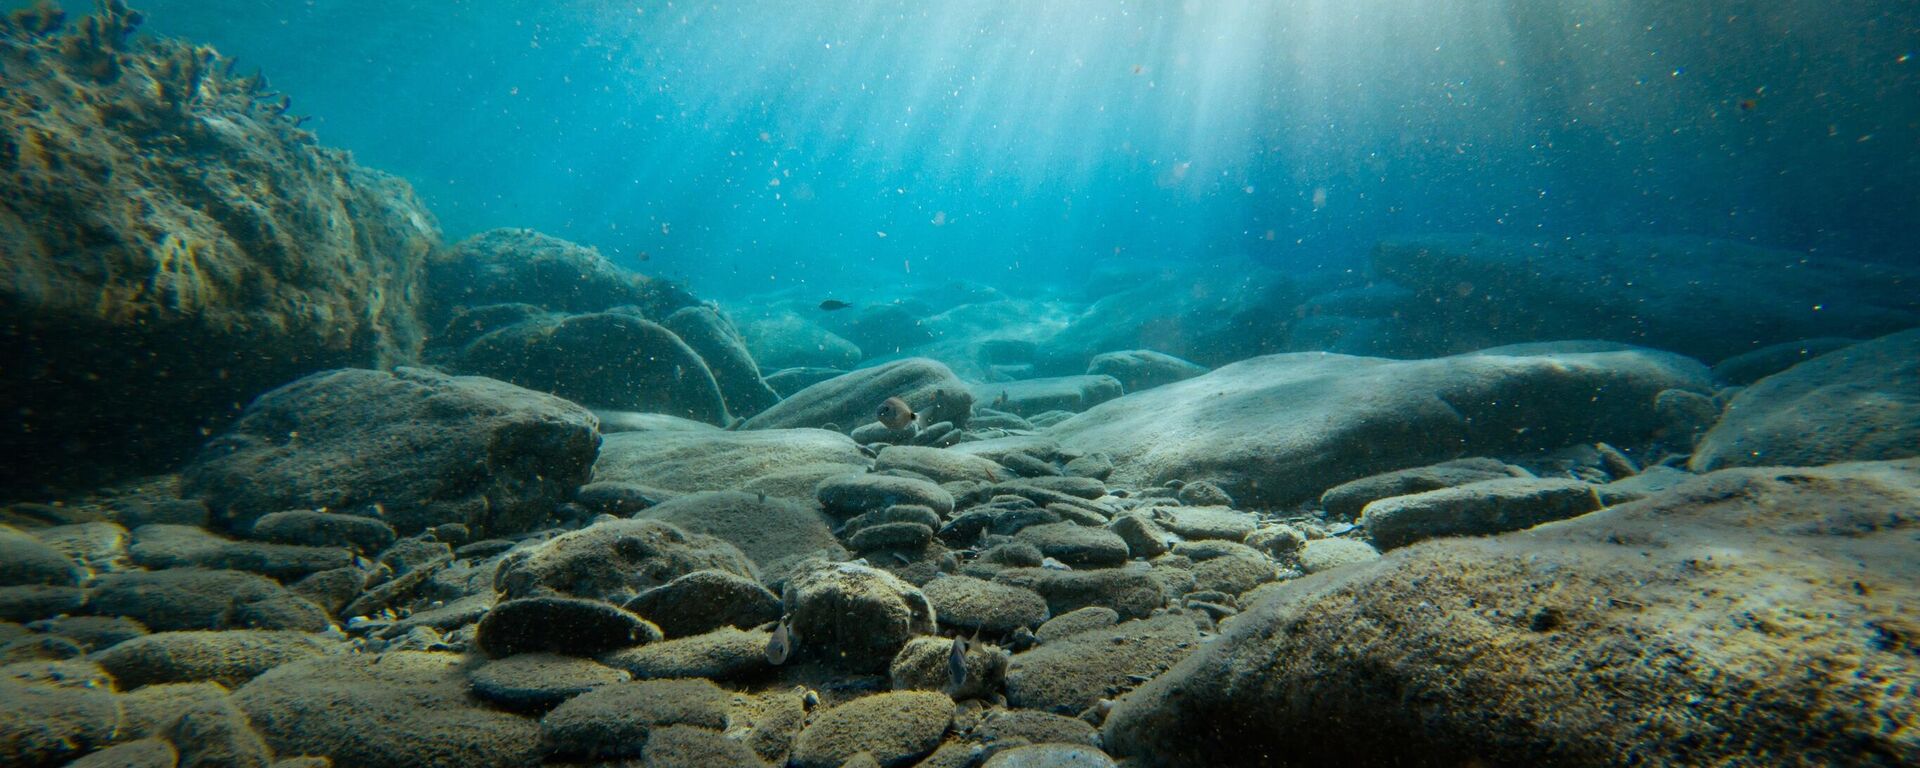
pixel 505 266
pixel 561 625
pixel 173 239
pixel 711 335
pixel 1476 509
pixel 616 560
pixel 616 720
pixel 1701 626
pixel 775 532
pixel 1070 674
pixel 229 658
pixel 854 616
pixel 970 604
pixel 893 728
pixel 425 447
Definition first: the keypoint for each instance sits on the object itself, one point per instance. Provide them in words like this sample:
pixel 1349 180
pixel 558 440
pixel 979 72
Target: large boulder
pixel 787 340
pixel 1745 615
pixel 851 400
pixel 414 447
pixel 152 280
pixel 1212 316
pixel 1710 299
pixel 1859 403
pixel 777 462
pixel 713 336
pixel 1280 429
pixel 1138 369
pixel 504 266
pixel 614 360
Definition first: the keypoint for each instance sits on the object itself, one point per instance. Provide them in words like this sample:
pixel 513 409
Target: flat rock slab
pixel 390 710
pixel 1856 404
pixel 1344 501
pixel 229 658
pixel 972 604
pixel 1711 614
pixel 1277 430
pixel 425 447
pixel 1138 369
pixel 539 681
pixel 779 462
pixel 615 560
pixel 1028 397
pixel 1476 509
pixel 723 654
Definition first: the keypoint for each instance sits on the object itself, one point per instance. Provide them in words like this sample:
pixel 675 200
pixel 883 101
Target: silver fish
pixel 780 646
pixel 957 661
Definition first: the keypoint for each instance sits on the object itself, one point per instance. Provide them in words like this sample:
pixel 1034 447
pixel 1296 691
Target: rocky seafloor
pixel 501 502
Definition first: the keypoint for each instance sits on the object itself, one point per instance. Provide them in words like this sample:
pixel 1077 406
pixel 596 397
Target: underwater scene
pixel 959 383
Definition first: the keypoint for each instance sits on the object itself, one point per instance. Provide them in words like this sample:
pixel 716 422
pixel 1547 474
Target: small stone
pixel 1327 554
pixel 723 654
pixel 366 535
pixel 1476 509
pixel 890 536
pixel 1070 674
pixel 855 616
pixel 1206 522
pixel 895 727
pixel 1076 545
pixel 1077 621
pixel 705 600
pixel 1203 494
pixel 925 664
pixel 972 604
pixel 1133 593
pixel 850 495
pixel 1143 536
pixel 562 625
pixel 1280 540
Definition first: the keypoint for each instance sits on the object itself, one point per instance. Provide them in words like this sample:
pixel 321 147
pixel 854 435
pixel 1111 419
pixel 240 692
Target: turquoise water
pixel 1016 142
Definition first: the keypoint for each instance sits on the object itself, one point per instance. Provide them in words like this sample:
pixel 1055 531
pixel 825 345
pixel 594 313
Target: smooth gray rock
pixel 1859 403
pixel 850 495
pixel 713 336
pixel 1139 369
pixel 851 400
pixel 779 462
pixel 1277 430
pixel 1344 501
pixel 426 447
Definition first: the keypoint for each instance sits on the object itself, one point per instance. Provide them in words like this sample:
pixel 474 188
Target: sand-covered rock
pixel 174 240
pixel 426 447
pixel 1131 591
pixel 851 400
pixel 1709 299
pixel 938 464
pixel 1075 544
pixel 1859 403
pixel 1702 625
pixel 616 360
pixel 893 728
pixel 616 560
pixel 690 746
pixel 1281 429
pixel 506 266
pixel 404 709
pixel 45 724
pixel 778 462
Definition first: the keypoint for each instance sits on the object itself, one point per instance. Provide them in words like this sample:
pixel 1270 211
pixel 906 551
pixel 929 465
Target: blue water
pixel 752 145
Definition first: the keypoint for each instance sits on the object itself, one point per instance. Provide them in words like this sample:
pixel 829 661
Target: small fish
pixel 1000 403
pixel 1748 105
pixel 833 305
pixel 1054 565
pixel 780 646
pixel 895 413
pixel 957 661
